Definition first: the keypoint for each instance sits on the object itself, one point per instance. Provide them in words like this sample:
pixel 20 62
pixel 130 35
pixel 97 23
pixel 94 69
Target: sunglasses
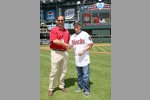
pixel 61 20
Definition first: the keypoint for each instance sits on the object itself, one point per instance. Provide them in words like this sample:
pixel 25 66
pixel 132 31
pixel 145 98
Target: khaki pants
pixel 59 61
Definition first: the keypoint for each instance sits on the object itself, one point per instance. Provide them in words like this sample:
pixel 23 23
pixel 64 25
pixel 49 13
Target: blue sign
pixel 50 15
pixel 100 5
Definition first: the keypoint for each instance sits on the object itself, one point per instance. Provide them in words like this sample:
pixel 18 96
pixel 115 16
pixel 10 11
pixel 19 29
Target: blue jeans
pixel 84 77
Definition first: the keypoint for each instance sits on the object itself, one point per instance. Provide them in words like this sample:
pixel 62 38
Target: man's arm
pixel 85 49
pixel 58 42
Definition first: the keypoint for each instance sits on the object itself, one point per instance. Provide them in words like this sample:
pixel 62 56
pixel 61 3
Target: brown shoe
pixel 64 90
pixel 50 93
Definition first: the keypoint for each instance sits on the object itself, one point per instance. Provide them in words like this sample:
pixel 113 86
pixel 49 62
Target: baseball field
pixel 100 75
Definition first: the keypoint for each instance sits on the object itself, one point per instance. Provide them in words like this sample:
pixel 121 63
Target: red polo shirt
pixel 57 33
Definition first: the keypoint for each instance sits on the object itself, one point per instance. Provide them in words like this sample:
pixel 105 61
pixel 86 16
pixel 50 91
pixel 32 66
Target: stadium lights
pixel 78 2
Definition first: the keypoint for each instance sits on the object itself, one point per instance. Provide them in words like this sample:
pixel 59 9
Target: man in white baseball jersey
pixel 82 42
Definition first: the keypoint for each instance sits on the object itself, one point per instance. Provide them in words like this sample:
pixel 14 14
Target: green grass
pixel 101 49
pixel 100 77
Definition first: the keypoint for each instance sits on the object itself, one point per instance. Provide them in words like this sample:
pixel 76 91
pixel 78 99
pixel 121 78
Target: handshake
pixel 68 46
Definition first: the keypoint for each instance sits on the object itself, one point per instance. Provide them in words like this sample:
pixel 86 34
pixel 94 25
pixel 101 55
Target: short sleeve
pixel 88 38
pixel 53 35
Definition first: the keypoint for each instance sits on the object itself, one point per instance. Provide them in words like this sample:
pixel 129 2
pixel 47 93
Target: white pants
pixel 59 62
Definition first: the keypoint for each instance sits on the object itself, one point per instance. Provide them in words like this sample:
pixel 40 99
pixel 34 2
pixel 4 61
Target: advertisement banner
pixel 50 15
pixel 95 19
pixel 86 18
pixel 69 13
pixel 97 6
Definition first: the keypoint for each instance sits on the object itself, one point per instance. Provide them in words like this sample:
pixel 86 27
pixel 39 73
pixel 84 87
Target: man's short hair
pixel 76 23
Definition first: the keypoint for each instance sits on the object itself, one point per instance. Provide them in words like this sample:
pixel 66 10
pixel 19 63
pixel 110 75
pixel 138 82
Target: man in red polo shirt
pixel 59 39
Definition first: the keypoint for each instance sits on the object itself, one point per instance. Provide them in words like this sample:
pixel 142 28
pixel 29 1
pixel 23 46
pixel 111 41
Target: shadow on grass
pixel 70 82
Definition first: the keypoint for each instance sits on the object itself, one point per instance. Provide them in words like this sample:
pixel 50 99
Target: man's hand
pixel 85 49
pixel 68 46
pixel 81 53
pixel 58 42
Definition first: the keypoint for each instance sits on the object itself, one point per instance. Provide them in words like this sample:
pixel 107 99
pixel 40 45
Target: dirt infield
pixel 101 52
pixel 44 48
pixel 98 44
pixel 47 48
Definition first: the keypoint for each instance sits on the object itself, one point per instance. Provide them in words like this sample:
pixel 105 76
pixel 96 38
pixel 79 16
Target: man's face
pixel 60 21
pixel 77 28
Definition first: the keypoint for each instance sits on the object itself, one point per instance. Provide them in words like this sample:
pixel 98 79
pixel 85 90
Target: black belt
pixel 59 49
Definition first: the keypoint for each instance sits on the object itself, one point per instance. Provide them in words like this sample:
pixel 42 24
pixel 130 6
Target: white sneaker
pixel 87 94
pixel 78 90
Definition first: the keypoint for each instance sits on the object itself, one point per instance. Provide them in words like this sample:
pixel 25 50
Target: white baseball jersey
pixel 79 41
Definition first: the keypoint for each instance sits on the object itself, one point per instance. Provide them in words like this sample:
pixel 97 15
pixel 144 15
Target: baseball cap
pixel 76 23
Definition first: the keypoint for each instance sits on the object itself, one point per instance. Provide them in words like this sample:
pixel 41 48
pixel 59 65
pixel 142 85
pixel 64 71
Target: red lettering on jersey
pixel 77 42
